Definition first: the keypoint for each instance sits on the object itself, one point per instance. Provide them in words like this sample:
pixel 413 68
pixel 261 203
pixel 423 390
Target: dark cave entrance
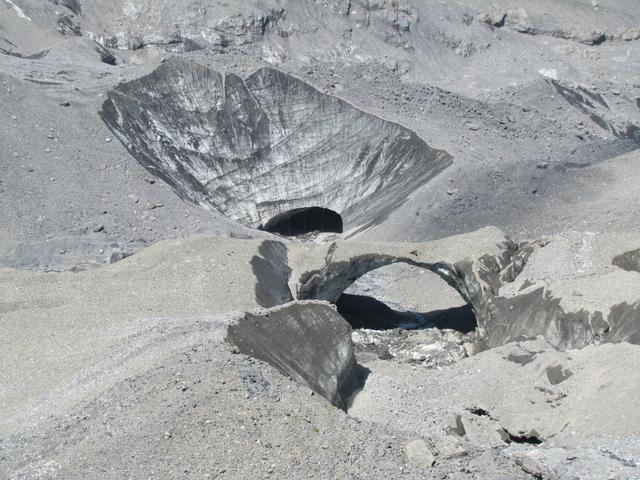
pixel 368 312
pixel 300 221
pixel 375 301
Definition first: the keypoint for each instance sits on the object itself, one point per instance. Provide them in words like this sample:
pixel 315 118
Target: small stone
pixel 485 462
pixel 454 425
pixel 481 430
pixel 150 181
pixel 107 139
pixel 50 136
pixel 133 198
pixel 450 447
pixel 452 191
pixel 65 104
pixel 529 464
pixel 117 255
pixel 48 150
pixel 542 165
pixel 418 452
pixel 98 228
pixel 473 126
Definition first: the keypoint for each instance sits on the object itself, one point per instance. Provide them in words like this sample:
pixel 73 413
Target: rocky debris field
pixel 297 239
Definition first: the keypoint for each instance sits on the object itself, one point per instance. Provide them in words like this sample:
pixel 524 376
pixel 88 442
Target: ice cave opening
pixel 299 221
pixel 407 297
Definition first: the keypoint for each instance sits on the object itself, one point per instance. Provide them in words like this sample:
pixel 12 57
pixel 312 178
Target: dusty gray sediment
pixel 122 369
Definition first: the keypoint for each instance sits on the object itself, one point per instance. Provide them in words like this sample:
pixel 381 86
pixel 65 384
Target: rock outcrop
pixel 308 341
pixel 254 148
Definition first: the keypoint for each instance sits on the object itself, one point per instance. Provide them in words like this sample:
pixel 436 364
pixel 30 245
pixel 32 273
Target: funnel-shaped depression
pixel 257 147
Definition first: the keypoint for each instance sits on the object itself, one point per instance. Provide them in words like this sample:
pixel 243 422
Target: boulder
pixel 419 453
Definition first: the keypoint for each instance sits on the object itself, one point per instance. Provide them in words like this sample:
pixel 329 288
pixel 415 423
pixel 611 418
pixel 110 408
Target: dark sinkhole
pixel 299 221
